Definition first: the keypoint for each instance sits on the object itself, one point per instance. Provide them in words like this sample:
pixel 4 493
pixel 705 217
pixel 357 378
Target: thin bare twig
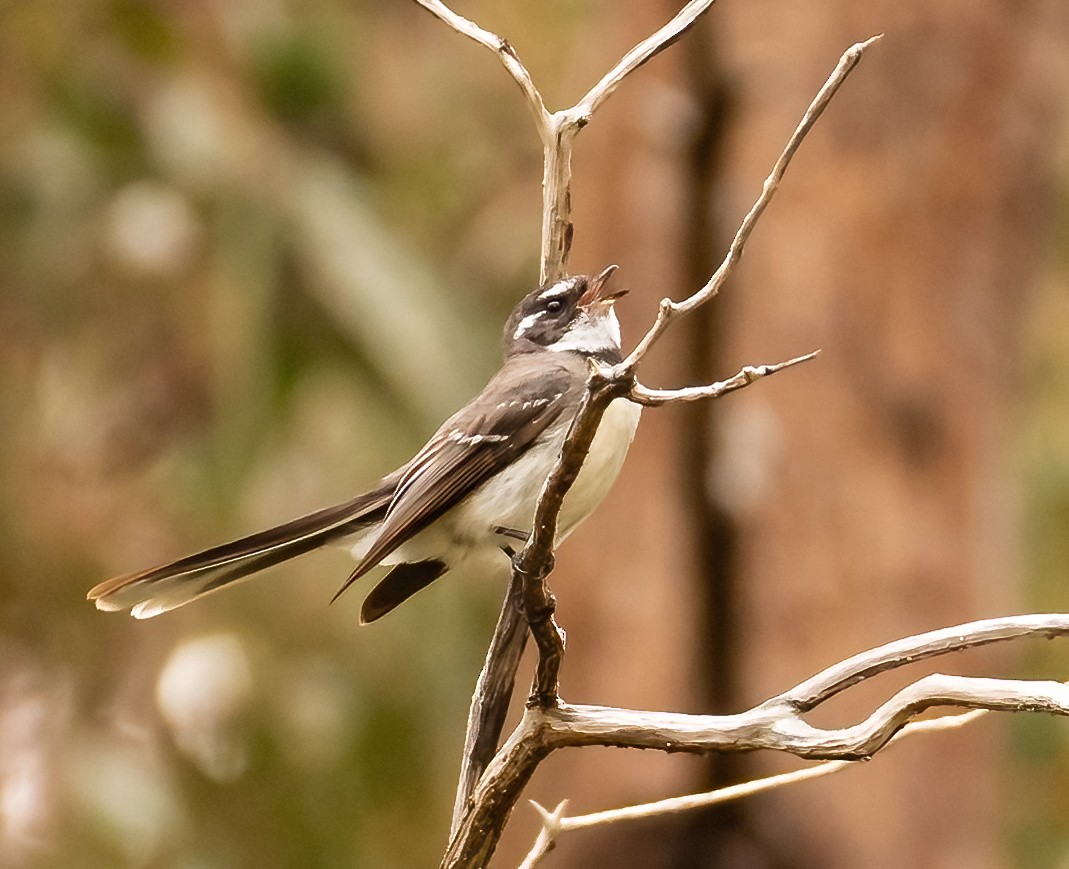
pixel 750 373
pixel 651 46
pixel 844 674
pixel 556 822
pixel 505 53
pixel 669 310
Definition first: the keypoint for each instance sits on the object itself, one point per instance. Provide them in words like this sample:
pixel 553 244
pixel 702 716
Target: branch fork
pixel 775 724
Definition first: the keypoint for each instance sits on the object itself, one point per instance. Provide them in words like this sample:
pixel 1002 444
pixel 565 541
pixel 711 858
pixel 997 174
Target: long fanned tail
pixel 159 589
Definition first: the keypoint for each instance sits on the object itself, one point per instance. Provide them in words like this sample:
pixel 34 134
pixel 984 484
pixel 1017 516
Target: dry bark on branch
pixel 775 724
pixel 557 822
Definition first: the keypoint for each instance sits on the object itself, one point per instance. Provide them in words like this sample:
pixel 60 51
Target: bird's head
pixel 574 314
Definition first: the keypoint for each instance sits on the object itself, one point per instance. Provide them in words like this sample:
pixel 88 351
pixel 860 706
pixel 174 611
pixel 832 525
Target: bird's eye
pixel 555 306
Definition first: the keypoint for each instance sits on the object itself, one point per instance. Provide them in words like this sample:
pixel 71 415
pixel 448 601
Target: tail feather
pixel 159 589
pixel 399 585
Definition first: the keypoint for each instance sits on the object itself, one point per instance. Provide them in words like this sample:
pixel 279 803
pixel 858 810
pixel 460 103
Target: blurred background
pixel 251 253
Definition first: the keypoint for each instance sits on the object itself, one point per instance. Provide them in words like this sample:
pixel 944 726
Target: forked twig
pixel 556 131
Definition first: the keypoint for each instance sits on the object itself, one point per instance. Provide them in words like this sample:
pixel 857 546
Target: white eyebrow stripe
pixel 525 324
pixel 561 288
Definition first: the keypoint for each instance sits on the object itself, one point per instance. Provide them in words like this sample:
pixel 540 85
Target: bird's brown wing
pixel 475 444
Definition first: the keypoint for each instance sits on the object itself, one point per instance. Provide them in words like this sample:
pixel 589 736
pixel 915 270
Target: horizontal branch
pixel 775 724
pixel 556 822
pixel 838 677
pixel 777 727
pixel 747 375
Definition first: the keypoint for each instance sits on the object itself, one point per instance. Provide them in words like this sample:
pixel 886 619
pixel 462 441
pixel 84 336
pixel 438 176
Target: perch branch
pixel 535 561
pixel 489 811
pixel 775 724
pixel 556 822
pixel 556 132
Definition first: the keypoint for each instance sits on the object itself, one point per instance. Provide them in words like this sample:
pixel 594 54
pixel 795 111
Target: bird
pixel 467 493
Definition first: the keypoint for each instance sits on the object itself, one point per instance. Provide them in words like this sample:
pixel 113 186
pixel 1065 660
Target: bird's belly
pixel 602 465
pixel 508 500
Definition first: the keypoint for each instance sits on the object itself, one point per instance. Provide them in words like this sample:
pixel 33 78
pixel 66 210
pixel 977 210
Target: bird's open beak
pixel 595 292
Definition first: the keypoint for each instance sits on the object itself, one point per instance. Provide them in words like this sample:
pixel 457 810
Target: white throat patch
pixel 591 336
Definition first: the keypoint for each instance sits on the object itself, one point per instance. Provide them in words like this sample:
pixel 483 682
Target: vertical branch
pixel 489 703
pixel 557 133
pixel 557 226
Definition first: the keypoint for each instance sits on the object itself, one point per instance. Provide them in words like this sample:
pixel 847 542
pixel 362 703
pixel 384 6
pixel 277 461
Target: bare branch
pixel 504 51
pixel 490 701
pixel 535 561
pixel 750 373
pixel 670 310
pixel 557 229
pixel 554 823
pixel 557 133
pixel 651 46
pixel 844 674
pixel 775 724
